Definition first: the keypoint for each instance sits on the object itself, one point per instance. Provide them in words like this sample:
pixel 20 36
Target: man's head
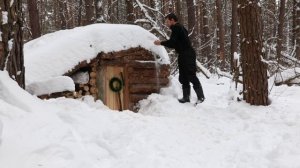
pixel 171 19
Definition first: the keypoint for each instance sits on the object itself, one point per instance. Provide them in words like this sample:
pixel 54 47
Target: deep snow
pixel 220 133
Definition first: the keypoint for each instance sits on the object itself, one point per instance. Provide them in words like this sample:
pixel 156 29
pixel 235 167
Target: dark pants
pixel 187 75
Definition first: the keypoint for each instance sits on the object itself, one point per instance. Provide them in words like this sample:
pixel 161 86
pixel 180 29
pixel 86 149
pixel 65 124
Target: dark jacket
pixel 180 41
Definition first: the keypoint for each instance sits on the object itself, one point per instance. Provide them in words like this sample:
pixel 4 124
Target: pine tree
pixel 255 80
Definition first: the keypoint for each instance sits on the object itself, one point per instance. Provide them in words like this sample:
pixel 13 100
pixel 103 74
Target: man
pixel 180 41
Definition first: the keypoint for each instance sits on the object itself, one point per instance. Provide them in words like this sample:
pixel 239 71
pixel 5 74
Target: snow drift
pixel 220 133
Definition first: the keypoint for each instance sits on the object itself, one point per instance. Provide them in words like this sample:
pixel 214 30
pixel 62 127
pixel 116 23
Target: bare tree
pixel 221 34
pixel 234 33
pixel 89 12
pixel 270 26
pixel 255 80
pixel 129 11
pixel 296 27
pixel 178 10
pixel 79 17
pixel 62 14
pixel 280 29
pixel 191 21
pixel 34 18
pixel 11 41
pixel 205 32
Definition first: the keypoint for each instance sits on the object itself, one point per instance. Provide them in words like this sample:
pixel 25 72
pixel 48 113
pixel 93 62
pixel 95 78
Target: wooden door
pixel 114 100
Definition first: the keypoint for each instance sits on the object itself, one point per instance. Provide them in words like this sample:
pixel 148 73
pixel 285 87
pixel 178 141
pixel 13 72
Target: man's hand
pixel 157 42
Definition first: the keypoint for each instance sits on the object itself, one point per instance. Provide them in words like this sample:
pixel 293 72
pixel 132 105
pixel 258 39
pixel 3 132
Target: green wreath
pixel 115 84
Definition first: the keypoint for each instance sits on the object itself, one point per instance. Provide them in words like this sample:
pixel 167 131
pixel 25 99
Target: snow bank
pixel 288 74
pixel 1 127
pixel 220 133
pixel 12 94
pixel 56 53
pixel 53 85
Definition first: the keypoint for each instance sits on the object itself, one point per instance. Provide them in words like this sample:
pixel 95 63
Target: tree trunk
pixel 178 10
pixel 205 31
pixel 270 26
pixel 99 7
pixel 221 34
pixel 280 30
pixel 191 21
pixel 171 6
pixel 254 70
pixel 234 33
pixel 62 16
pixel 34 18
pixel 129 11
pixel 296 27
pixel 11 41
pixel 89 11
pixel 79 18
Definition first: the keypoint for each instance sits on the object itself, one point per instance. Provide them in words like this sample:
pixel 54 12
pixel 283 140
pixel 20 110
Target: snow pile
pixel 220 133
pixel 12 94
pixel 52 85
pixel 56 53
pixel 1 127
pixel 81 77
pixel 288 74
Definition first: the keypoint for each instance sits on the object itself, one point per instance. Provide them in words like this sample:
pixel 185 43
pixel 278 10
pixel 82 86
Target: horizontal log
pixel 143 65
pixel 134 98
pixel 146 80
pixel 138 66
pixel 94 90
pixel 150 73
pixel 144 88
pixel 133 51
pixel 141 56
pixel 93 74
pixel 92 82
pixel 86 88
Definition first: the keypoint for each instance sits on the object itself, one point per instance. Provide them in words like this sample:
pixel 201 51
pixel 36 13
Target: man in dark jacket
pixel 180 41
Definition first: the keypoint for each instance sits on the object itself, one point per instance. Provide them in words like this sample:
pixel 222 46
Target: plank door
pixel 110 98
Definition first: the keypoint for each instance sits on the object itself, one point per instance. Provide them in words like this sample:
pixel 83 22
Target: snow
pixel 54 54
pixel 236 56
pixel 15 96
pixel 220 133
pixel 4 17
pixel 53 85
pixel 81 77
pixel 11 3
pixel 10 44
pixel 287 74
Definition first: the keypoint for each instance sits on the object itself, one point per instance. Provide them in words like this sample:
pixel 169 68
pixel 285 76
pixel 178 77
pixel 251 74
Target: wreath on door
pixel 116 84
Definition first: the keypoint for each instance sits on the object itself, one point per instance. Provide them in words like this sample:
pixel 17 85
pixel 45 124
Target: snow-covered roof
pixel 54 54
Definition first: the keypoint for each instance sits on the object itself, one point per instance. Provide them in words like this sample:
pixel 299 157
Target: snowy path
pixel 219 133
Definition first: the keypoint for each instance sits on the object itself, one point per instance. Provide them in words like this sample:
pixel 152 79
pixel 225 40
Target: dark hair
pixel 171 16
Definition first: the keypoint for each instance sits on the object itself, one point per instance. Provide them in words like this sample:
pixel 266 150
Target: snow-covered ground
pixel 220 133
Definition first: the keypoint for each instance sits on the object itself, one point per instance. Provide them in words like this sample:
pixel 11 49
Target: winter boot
pixel 200 95
pixel 186 95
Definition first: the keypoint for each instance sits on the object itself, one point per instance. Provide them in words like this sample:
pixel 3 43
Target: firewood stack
pixel 89 88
